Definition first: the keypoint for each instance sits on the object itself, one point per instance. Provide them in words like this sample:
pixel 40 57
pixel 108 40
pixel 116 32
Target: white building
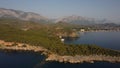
pixel 82 30
pixel 62 40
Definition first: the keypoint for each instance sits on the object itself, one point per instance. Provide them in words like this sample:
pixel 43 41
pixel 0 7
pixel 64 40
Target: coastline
pixel 101 31
pixel 54 57
pixel 82 59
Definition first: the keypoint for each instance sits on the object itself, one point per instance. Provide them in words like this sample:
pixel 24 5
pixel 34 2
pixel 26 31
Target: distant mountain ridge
pixel 30 16
pixel 17 14
pixel 74 19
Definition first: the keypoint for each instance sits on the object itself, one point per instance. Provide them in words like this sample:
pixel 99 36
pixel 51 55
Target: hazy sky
pixel 100 9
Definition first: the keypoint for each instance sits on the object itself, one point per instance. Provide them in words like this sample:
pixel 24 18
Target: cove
pixel 32 60
pixel 109 40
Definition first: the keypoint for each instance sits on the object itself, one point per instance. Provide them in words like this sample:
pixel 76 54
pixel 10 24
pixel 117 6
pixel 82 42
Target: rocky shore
pixel 21 47
pixel 81 59
pixel 54 57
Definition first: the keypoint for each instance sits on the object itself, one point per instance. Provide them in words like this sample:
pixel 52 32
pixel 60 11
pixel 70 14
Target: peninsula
pixel 17 35
pixel 11 46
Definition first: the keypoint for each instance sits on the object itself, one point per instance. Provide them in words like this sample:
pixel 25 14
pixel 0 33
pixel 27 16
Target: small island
pixel 45 39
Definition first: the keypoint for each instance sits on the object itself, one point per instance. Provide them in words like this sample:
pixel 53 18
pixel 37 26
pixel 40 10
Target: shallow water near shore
pixel 31 60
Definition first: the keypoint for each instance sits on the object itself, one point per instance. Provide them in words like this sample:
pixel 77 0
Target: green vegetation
pixel 44 35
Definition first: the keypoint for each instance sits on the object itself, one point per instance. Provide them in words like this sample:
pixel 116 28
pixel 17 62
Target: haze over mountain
pixel 31 16
pixel 74 19
pixel 17 14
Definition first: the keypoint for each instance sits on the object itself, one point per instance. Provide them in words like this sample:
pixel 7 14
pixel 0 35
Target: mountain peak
pixel 17 14
pixel 31 16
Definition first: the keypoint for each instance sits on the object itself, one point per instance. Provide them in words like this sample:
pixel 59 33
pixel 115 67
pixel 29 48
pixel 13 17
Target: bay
pixel 32 60
pixel 109 40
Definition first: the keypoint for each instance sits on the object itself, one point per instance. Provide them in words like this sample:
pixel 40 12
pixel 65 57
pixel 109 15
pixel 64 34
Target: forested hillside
pixel 39 34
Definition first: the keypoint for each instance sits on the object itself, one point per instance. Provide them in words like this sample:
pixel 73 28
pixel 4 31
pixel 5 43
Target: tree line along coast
pixel 47 36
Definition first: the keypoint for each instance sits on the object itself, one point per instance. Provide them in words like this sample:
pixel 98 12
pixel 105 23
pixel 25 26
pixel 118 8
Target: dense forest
pixel 42 34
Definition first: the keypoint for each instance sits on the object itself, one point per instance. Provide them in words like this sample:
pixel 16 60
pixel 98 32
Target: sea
pixel 110 40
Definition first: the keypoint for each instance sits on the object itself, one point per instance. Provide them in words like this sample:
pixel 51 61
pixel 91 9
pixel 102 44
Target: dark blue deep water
pixel 32 60
pixel 104 39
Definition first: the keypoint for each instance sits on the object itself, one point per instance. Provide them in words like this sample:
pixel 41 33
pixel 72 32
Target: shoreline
pixel 54 57
pixel 82 59
pixel 101 31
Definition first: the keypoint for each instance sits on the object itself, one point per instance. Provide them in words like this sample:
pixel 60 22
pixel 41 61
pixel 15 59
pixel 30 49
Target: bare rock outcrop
pixel 81 59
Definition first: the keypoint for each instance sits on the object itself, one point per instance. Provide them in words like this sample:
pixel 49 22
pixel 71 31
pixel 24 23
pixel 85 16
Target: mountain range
pixel 21 15
pixel 30 16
